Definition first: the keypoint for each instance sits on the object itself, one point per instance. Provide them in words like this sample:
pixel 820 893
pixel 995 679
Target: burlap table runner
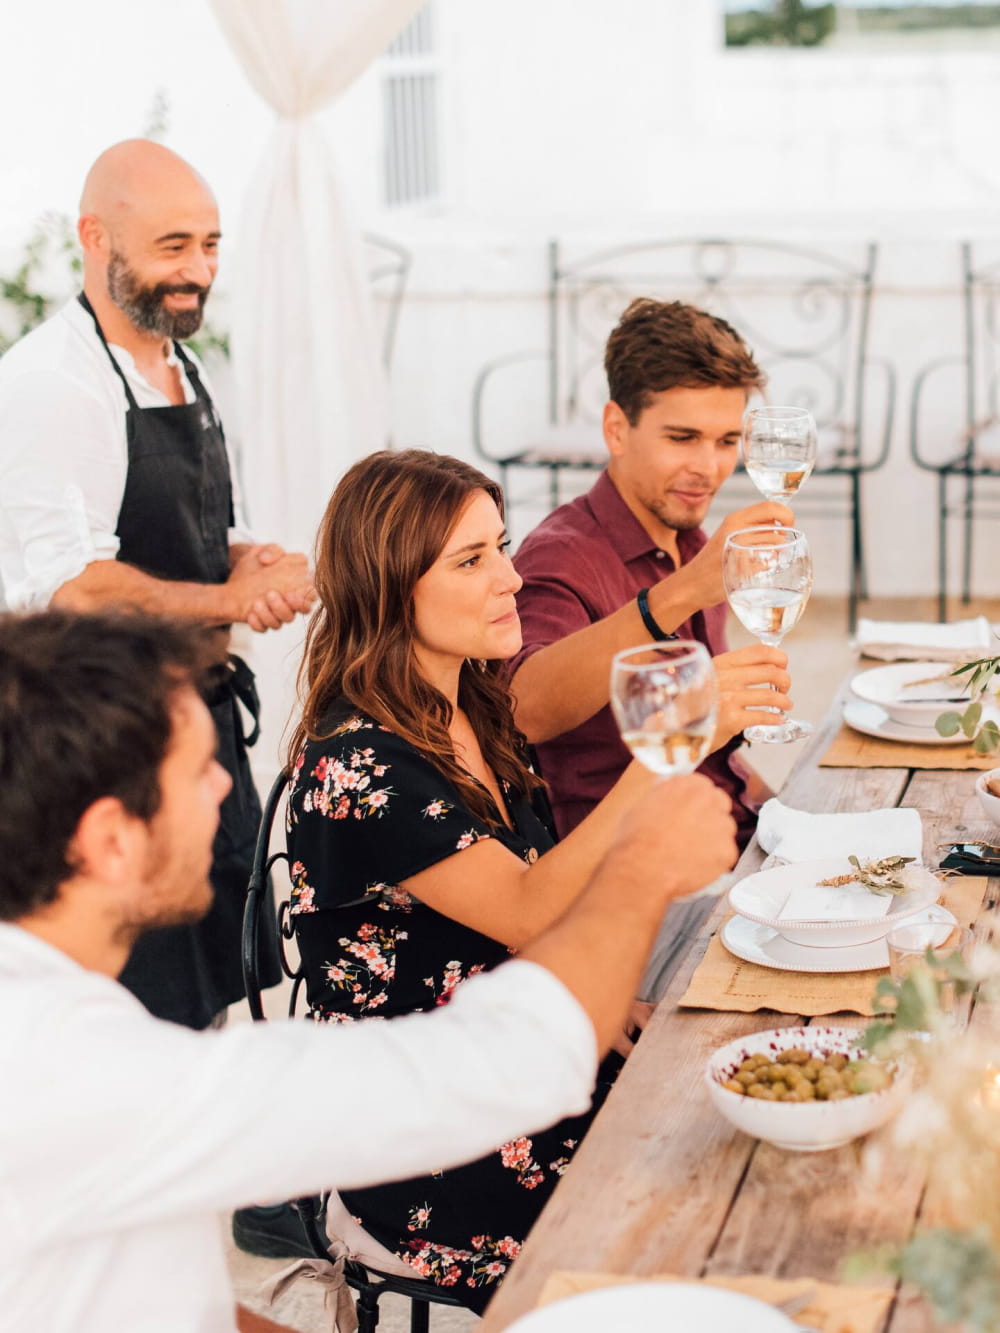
pixel 831 1308
pixel 850 749
pixel 722 981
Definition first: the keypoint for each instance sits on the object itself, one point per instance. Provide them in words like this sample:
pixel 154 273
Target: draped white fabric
pixel 312 396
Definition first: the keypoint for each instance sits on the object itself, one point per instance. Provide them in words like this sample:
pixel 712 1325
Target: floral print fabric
pixel 366 812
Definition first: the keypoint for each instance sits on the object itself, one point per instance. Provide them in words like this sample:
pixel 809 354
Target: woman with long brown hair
pixel 415 852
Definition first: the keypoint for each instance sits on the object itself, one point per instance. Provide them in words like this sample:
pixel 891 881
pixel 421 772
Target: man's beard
pixel 678 521
pixel 144 306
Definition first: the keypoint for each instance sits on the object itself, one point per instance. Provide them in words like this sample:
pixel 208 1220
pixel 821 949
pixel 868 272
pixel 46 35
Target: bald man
pixel 116 490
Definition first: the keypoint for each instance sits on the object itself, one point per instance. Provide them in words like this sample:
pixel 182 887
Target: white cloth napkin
pixel 913 641
pixel 794 835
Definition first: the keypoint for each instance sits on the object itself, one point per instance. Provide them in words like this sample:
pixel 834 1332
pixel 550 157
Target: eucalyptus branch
pixel 985 736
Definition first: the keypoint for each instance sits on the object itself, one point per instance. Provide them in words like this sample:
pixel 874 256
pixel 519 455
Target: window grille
pixel 411 97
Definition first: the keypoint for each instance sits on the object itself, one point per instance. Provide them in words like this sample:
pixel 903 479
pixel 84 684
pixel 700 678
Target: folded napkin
pixel 831 1308
pixel 794 835
pixel 912 641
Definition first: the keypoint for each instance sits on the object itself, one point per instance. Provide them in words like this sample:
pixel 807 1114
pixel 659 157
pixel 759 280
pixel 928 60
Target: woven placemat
pixel 851 749
pixel 724 982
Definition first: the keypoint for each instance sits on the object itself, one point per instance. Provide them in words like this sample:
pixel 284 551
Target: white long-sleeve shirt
pixel 64 455
pixel 122 1137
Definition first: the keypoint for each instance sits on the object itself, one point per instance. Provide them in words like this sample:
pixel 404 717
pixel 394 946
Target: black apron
pixel 173 524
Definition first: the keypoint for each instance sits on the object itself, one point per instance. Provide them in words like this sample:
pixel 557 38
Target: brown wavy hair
pixel 386 524
pixel 658 345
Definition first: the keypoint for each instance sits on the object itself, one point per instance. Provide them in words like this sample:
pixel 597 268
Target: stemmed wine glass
pixel 779 449
pixel 664 698
pixel 768 575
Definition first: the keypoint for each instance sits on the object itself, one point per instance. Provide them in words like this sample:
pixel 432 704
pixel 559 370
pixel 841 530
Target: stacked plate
pixel 903 701
pixel 787 919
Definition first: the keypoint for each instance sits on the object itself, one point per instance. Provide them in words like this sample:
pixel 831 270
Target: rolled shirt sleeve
pixel 63 463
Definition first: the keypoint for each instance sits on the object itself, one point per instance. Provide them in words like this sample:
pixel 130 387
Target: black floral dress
pixel 368 811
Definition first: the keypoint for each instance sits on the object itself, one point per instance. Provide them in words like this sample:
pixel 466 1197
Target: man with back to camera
pixel 122 1136
pixel 116 489
pixel 628 563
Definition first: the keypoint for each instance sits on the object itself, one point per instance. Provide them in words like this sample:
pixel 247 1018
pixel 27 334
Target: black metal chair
pixel 368 1283
pixel 965 465
pixel 804 313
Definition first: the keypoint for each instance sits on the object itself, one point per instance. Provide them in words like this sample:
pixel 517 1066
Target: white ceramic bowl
pixel 916 706
pixel 799 1126
pixel 760 898
pixel 989 802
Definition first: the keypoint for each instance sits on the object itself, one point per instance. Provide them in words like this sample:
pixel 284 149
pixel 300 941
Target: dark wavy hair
pixel 86 711
pixel 659 345
pixel 386 524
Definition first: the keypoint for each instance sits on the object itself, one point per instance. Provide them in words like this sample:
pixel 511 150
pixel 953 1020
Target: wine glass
pixel 768 575
pixel 779 449
pixel 664 699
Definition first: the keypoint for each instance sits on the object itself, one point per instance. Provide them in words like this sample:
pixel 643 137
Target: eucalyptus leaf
pixel 970 718
pixel 948 724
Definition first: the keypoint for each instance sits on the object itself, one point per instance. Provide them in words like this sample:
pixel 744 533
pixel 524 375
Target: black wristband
pixel 642 602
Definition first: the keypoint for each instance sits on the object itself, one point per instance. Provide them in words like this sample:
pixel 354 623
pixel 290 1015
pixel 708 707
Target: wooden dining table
pixel 664 1185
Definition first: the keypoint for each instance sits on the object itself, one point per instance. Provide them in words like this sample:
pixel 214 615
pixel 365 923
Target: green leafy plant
pixel 985 736
pixel 26 293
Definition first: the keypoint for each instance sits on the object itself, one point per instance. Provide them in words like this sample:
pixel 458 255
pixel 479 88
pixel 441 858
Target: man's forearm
pixel 106 584
pixel 614 920
pixel 563 684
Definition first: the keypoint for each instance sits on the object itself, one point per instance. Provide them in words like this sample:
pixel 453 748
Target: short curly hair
pixel 659 345
pixel 86 711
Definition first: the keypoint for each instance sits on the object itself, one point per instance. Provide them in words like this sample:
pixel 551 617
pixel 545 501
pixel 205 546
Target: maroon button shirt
pixel 583 562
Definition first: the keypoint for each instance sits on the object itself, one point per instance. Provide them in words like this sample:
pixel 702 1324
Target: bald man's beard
pixel 144 306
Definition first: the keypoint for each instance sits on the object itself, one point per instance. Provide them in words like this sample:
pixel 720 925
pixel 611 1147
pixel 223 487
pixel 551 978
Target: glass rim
pixel 679 650
pixel 772 528
pixel 777 411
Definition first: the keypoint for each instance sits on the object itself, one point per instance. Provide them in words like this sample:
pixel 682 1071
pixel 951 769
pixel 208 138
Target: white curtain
pixel 312 396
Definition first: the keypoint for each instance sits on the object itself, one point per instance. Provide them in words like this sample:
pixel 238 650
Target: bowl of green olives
pixel 805 1089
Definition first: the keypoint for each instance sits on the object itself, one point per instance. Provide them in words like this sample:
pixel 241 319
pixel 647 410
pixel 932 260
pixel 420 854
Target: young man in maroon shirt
pixel 629 563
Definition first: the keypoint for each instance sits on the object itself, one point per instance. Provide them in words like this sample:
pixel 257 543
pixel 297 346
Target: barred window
pixel 411 97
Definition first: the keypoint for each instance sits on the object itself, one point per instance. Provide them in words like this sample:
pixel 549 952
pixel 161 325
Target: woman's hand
pixel 740 703
pixel 638 1017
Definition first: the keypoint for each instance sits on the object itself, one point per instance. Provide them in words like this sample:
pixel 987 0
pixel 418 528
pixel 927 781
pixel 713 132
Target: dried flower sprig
pixel 885 876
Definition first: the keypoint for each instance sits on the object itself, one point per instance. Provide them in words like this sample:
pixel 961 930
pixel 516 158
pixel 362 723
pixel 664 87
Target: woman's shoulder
pixel 351 741
pixel 344 726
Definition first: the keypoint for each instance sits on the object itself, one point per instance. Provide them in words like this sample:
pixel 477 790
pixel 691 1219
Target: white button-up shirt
pixel 64 455
pixel 122 1137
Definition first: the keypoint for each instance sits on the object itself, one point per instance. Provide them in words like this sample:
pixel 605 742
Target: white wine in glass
pixel 768 576
pixel 664 698
pixel 779 449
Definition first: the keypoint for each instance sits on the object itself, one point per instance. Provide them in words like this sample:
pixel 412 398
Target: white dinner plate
pixel 679 1306
pixel 894 689
pixel 760 944
pixel 871 720
pixel 761 897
